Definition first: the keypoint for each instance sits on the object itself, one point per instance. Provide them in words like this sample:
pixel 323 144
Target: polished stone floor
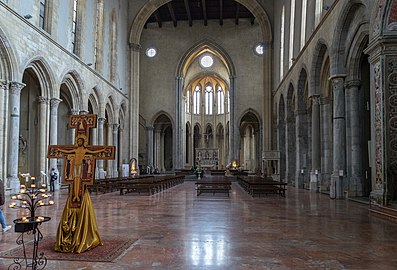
pixel 176 229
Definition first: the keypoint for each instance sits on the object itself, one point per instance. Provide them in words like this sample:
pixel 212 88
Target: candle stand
pixel 30 198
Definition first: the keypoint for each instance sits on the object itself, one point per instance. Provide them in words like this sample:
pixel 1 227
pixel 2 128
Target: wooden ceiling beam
pixel 158 18
pixel 189 15
pixel 172 13
pixel 221 12
pixel 204 12
pixel 237 12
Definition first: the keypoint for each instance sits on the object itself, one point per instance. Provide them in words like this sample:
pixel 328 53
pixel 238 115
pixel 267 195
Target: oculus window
pixel 151 52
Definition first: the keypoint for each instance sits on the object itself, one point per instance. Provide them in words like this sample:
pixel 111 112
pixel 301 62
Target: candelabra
pixel 31 198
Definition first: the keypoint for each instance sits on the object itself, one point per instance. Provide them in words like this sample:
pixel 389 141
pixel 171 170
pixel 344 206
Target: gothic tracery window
pixel 209 99
pixel 220 100
pixel 282 43
pixel 196 100
pixel 291 34
pixel 303 24
pixel 74 27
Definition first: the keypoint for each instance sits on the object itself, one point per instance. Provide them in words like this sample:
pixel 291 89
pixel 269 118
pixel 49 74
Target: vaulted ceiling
pixel 200 11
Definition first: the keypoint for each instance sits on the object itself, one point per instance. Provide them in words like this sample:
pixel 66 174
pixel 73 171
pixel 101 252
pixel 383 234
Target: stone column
pixel 157 139
pixel 356 179
pixel 301 146
pixel 162 146
pixel 134 101
pixel 42 147
pixel 12 177
pixel 178 130
pixel 109 141
pixel 339 142
pixel 120 150
pixel 326 141
pixel 101 124
pixel 54 103
pixel 316 147
pixel 232 125
pixel 149 145
pixel 3 128
pixel 116 144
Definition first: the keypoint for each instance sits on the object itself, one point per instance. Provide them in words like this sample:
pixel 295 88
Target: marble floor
pixel 176 229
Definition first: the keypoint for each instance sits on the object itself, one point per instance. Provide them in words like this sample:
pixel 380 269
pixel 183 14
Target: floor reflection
pixel 207 250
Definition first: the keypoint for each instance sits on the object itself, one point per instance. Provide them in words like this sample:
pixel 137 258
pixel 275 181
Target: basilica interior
pixel 302 91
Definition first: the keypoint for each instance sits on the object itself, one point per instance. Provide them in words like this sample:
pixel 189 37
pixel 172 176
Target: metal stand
pixel 30 227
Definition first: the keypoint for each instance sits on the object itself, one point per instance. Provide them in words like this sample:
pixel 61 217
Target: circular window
pixel 206 61
pixel 259 49
pixel 151 52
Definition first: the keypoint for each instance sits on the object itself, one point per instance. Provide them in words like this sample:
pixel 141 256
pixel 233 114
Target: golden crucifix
pixel 79 159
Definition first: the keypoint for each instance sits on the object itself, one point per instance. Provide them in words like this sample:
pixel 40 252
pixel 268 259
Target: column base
pixel 14 184
pixel 336 188
pixel 355 186
pixel 314 182
pixel 377 197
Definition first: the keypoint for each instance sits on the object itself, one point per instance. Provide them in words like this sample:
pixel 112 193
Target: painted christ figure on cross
pixel 78 230
pixel 79 165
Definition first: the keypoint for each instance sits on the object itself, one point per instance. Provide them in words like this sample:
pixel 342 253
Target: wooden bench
pixel 256 185
pixel 213 185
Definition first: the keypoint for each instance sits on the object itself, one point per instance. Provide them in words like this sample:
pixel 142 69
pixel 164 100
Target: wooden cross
pixel 79 159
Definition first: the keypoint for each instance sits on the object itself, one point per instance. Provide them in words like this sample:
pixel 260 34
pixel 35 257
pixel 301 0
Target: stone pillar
pixel 3 128
pixel 162 144
pixel 54 103
pixel 326 141
pixel 232 123
pixel 157 140
pixel 101 124
pixel 42 147
pixel 134 101
pixel 339 142
pixel 116 144
pixel 109 141
pixel 120 150
pixel 12 177
pixel 149 145
pixel 178 130
pixel 356 177
pixel 316 147
pixel 301 146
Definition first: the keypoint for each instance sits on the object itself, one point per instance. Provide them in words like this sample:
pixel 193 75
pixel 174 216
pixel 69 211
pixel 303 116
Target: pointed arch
pixel 347 25
pixel 7 60
pixel 74 84
pixel 320 51
pixel 42 70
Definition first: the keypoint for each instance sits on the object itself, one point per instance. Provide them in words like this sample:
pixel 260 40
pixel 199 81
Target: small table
pixel 30 226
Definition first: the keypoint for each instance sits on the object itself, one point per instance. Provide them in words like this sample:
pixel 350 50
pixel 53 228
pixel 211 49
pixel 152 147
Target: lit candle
pixel 33 185
pixel 42 190
pixel 22 191
pixel 13 197
pixel 51 202
pixel 43 185
pixel 24 219
pixel 23 186
pixel 24 202
pixel 11 205
pixel 19 196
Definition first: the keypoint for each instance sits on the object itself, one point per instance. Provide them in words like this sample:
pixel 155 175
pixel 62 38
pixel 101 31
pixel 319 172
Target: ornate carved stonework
pixel 337 83
pixel 378 127
pixel 391 94
pixel 377 17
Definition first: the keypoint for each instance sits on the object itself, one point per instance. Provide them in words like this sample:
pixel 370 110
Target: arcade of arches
pixel 304 91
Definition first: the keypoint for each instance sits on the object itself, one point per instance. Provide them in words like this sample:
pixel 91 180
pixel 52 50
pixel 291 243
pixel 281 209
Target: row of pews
pixel 145 184
pixel 213 184
pixel 257 185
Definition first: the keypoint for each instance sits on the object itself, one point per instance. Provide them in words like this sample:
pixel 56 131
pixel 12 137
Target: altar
pixel 207 158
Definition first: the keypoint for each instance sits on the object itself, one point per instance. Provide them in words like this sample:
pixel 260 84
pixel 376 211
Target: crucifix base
pixel 78 229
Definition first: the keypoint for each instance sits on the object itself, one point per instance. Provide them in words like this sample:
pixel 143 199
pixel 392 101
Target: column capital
pixel 135 47
pixel 337 82
pixel 42 100
pixel 16 88
pixel 83 112
pixel 54 102
pixel 315 99
pixel 3 84
pixel 74 111
pixel 101 120
pixel 352 83
pixel 116 127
